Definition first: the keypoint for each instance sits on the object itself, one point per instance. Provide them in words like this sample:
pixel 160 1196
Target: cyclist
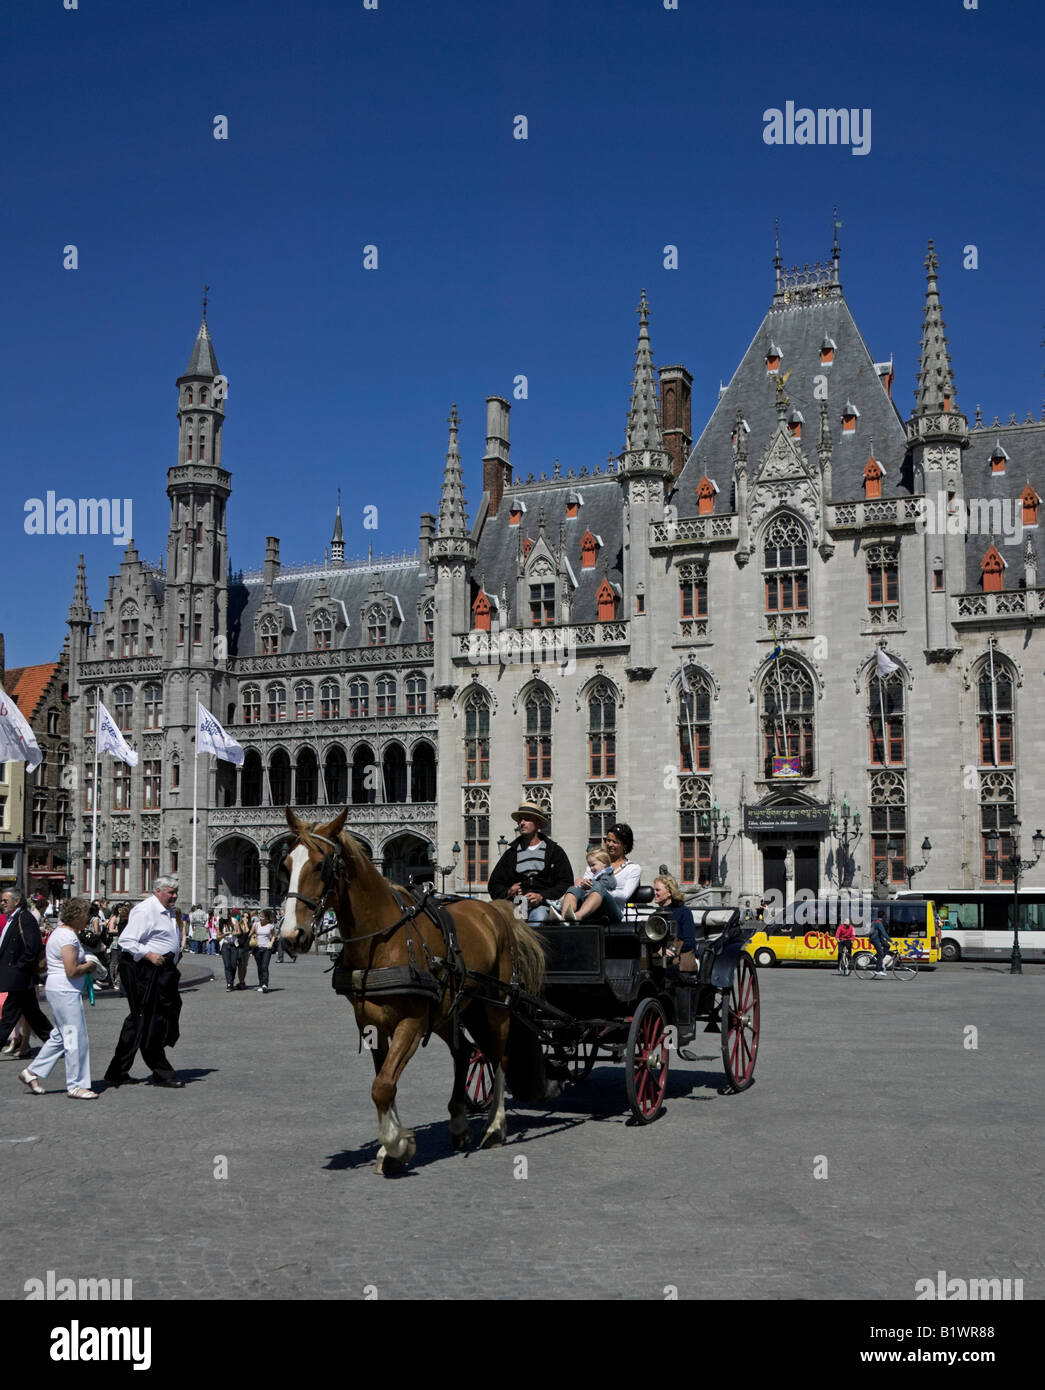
pixel 845 935
pixel 882 942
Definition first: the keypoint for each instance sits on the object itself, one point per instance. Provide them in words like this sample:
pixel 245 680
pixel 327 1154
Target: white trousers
pixel 68 1039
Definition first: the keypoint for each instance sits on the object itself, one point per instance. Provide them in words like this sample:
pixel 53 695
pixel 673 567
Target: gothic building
pixel 686 639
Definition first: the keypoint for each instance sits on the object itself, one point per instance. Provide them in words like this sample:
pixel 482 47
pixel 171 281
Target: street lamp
pixel 846 841
pixel 709 829
pixel 1018 867
pixel 911 869
pixel 449 868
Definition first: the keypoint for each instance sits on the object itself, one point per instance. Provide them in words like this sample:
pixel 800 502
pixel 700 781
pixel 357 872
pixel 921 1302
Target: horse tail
pixel 529 956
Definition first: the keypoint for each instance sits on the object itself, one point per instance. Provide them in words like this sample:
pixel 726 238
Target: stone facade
pixel 689 634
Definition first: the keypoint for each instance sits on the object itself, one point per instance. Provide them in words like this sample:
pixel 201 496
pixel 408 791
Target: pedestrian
pixel 150 946
pixel 68 966
pixel 20 950
pixel 229 951
pixel 845 936
pixel 533 869
pixel 198 926
pixel 266 930
pixel 212 932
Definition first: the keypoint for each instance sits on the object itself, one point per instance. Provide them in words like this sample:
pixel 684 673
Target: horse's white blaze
pixel 497 1122
pixel 298 860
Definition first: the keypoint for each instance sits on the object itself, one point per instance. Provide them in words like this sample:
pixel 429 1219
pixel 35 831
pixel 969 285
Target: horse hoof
pixel 494 1139
pixel 461 1142
pixel 389 1167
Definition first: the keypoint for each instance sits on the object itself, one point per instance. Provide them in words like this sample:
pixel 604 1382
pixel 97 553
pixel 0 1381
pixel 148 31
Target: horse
pixel 328 867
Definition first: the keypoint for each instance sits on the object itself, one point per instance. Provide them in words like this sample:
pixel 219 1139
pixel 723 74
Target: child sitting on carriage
pixel 603 882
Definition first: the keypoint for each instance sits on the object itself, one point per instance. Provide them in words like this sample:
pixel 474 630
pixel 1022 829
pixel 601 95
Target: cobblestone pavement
pixel 932 1150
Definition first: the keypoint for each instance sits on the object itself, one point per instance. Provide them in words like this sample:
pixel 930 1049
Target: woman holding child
pixel 608 884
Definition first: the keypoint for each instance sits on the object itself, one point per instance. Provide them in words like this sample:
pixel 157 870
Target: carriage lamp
pixel 655 928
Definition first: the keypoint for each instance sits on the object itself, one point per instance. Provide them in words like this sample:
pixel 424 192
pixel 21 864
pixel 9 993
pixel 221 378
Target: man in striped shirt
pixel 533 868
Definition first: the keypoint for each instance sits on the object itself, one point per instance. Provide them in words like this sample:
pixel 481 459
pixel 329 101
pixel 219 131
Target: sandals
pixel 27 1078
pixel 81 1093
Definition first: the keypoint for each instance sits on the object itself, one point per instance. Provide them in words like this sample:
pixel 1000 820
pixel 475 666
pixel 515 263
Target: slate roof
pixel 799 330
pixel 27 685
pixel 203 361
pixel 346 585
pixel 602 513
pixel 1025 446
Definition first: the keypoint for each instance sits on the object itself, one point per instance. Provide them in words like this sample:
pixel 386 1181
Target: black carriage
pixel 616 991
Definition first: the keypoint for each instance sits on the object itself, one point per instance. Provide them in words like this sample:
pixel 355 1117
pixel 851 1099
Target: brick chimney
pixel 497 468
pixel 271 559
pixel 676 414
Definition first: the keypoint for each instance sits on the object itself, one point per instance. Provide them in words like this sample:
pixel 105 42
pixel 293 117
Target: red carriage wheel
pixel 646 1061
pixel 739 1025
pixel 479 1083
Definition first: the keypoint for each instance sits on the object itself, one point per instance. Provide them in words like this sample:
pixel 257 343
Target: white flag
pixel 110 740
pixel 683 682
pixel 212 738
pixel 885 666
pixel 17 741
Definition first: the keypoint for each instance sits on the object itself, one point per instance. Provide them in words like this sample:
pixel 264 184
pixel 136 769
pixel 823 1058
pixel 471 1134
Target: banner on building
pixel 787 767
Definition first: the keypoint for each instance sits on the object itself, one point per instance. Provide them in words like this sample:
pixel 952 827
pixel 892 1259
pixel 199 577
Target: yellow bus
pixel 911 924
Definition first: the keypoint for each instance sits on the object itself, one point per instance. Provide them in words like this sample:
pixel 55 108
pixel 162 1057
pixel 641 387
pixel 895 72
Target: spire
pixel 79 609
pixel 337 540
pixel 452 520
pixel 203 362
pixel 935 389
pixel 643 417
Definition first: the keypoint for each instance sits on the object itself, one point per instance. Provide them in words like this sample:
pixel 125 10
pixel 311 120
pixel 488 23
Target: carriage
pixel 613 992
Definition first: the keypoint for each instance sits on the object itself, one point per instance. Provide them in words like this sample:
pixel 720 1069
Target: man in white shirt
pixel 150 946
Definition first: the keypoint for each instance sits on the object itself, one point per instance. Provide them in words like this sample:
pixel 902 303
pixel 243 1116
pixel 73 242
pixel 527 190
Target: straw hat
pixel 532 812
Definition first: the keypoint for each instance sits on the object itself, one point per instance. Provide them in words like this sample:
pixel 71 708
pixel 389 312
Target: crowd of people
pixel 138 949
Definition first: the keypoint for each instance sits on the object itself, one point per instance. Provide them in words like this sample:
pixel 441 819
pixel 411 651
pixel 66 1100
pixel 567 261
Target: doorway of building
pixel 773 872
pixel 807 869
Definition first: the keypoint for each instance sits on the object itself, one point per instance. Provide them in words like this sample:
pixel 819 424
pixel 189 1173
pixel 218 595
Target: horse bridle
pixel 329 869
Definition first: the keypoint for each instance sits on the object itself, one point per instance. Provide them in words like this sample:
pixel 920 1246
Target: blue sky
pixel 497 256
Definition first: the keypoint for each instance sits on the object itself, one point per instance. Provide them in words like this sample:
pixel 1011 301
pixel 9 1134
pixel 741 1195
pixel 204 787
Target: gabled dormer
pixel 828 348
pixel 873 475
pixel 1029 501
pixel 850 415
pixel 992 568
pixel 482 609
pixel 381 616
pixel 607 600
pixel 590 546
pixel 574 503
pixel 326 620
pixel 706 490
pixel 999 458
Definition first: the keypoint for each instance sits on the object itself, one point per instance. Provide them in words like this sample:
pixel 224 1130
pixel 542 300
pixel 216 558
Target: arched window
pixel 538 763
pixel 306 783
pixel 477 835
pixel 428 622
pixel 153 695
pixel 268 632
pixel 188 395
pixel 322 631
pixel 129 631
pixel 279 778
pixel 376 627
pixel 996 711
pixel 123 708
pixel 358 699
pixel 695 855
pixel 787 720
pixel 303 703
pixel 251 705
pixel 416 693
pixel 885 695
pixel 602 812
pixel 251 779
pixel 364 775
pixel 602 732
pixel 393 769
pixel 335 776
pixel 423 778
pixel 386 696
pixel 277 704
pixel 785 556
pixel 694 722
pixel 883 586
pixel 477 737
pixel 203 395
pixel 330 700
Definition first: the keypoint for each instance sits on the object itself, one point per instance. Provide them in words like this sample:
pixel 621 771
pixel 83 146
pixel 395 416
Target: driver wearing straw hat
pixel 533 868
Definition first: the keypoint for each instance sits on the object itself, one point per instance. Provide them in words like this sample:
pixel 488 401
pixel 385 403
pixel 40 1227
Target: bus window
pixel 958 916
pixel 907 919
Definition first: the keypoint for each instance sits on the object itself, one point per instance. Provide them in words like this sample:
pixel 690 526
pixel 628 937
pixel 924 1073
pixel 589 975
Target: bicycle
pixel 895 966
pixel 845 957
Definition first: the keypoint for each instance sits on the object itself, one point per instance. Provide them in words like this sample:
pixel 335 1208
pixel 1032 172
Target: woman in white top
pixel 618 844
pixel 67 968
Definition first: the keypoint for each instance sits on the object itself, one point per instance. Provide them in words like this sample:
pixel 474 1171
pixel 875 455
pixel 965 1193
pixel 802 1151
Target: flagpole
pixel 783 715
pixel 881 706
pixel 94 826
pixel 994 702
pixel 195 784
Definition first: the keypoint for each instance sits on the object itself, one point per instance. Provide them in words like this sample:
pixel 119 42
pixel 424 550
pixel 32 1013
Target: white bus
pixel 977 925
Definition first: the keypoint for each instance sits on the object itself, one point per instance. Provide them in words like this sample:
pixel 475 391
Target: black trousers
pixel 263 954
pixel 24 1001
pixel 152 1021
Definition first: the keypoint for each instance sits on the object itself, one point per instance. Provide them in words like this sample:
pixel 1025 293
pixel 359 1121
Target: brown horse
pixel 328 868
